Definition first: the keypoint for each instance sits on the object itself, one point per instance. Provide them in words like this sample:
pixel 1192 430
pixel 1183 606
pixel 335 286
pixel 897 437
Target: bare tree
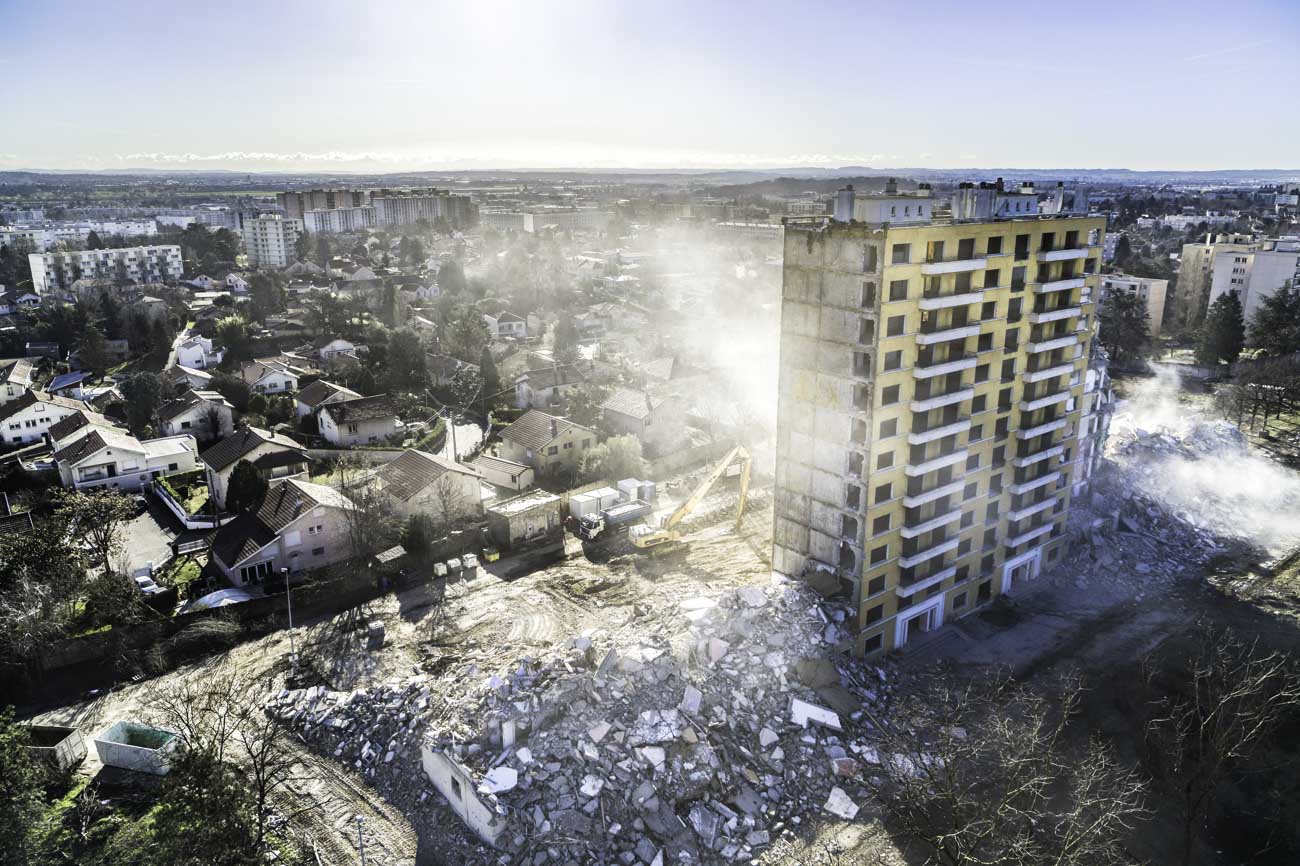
pixel 220 718
pixel 370 518
pixel 1208 714
pixel 987 775
pixel 448 502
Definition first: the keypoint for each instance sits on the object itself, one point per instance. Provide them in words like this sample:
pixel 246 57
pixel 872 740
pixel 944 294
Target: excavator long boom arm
pixel 693 501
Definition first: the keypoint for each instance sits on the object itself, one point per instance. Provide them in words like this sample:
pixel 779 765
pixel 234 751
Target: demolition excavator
pixel 645 537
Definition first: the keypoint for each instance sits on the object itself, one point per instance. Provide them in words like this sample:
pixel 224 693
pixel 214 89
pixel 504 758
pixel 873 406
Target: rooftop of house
pixel 320 390
pixel 628 401
pixel 551 377
pixel 242 442
pixel 16 372
pixel 95 439
pixel 534 429
pixel 173 408
pixel 32 397
pixel 81 418
pixel 414 471
pixel 362 409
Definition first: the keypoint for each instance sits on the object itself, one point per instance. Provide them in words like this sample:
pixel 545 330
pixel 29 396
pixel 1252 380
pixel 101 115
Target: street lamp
pixel 361 842
pixel 293 651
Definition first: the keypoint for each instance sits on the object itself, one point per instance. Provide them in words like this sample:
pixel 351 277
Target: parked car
pixel 140 504
pixel 146 585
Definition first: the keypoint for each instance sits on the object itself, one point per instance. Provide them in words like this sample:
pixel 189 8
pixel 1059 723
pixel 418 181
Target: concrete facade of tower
pixel 942 398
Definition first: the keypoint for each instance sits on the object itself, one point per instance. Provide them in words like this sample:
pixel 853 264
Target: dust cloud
pixel 1202 469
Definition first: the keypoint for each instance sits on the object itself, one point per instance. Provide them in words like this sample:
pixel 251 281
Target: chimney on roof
pixel 999 187
pixel 555 429
pixel 891 186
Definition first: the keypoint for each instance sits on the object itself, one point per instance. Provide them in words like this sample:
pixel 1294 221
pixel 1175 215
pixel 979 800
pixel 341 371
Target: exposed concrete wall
pixel 454 781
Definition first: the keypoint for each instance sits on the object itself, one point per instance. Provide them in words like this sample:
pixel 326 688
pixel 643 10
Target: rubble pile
pixel 727 724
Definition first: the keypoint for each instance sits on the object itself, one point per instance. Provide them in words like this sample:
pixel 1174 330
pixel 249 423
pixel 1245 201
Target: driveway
pixel 148 538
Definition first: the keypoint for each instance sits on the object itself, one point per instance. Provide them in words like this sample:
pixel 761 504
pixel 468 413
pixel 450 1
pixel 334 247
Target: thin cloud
pixel 1222 51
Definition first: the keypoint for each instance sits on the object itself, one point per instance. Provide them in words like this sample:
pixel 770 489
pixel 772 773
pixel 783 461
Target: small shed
pixel 56 746
pixel 136 747
pixel 533 518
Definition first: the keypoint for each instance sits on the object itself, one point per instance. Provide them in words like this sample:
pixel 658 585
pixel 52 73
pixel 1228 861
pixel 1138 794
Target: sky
pixel 398 85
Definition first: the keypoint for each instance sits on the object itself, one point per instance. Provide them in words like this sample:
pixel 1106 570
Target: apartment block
pixel 1151 292
pixel 937 406
pixel 57 271
pixel 270 240
pixel 1255 273
pixel 1196 274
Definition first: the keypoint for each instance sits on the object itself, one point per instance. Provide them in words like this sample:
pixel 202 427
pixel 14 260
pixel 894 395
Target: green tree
pixel 93 241
pixel 1125 326
pixel 204 816
pixel 615 458
pixel 407 370
pixel 417 535
pixel 21 801
pixel 324 253
pixel 1275 326
pixel 247 488
pixel 466 335
pixel 265 295
pixel 489 375
pixel 143 393
pixel 451 278
pixel 95 518
pixel 1123 252
pixel 564 345
pixel 111 311
pixel 233 333
pixel 232 388
pixel 1224 332
pixel 302 247
pixel 93 350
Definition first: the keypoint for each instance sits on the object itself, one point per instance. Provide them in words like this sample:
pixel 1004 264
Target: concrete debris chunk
pixel 691 699
pixel 839 803
pixel 802 712
pixel 498 780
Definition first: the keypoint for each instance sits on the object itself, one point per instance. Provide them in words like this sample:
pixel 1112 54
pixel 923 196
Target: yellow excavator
pixel 645 537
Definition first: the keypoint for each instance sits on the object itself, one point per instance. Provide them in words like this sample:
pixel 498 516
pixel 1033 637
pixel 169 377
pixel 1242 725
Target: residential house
pixel 430 292
pixel 198 353
pixel 71 427
pixel 426 329
pixel 331 348
pixel 500 472
pixel 273 455
pixel 271 376
pixel 26 419
pixel 43 350
pixel 657 421
pixel 318 393
pixel 203 282
pixel 187 377
pixel 14 301
pixel 236 284
pixel 15 379
pixel 359 421
pixel 550 445
pixel 545 387
pixel 418 482
pixel 68 384
pixel 299 526
pixel 506 325
pixel 205 415
pixel 110 457
pixel 150 307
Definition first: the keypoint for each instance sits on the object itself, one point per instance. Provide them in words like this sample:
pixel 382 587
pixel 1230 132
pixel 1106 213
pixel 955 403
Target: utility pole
pixel 288 596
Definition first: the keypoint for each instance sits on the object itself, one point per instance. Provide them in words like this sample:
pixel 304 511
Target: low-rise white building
pixel 1150 291
pixel 299 526
pixel 205 415
pixel 506 324
pixel 198 353
pixel 271 376
pixel 360 421
pixel 108 457
pixel 318 393
pixel 15 379
pixel 27 418
pixel 418 482
pixel 272 455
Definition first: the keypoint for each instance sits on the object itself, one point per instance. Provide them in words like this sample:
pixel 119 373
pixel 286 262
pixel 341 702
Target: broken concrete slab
pixel 802 712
